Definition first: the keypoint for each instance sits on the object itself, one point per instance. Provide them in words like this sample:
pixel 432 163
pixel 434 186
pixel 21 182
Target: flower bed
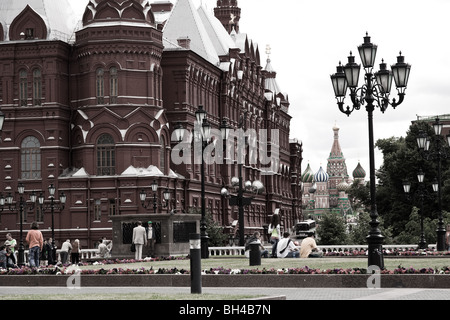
pixel 389 253
pixel 215 271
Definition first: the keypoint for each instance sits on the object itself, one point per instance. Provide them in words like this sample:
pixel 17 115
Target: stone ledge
pixel 274 281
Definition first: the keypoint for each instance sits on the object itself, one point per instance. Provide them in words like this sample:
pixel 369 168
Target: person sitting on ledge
pixel 256 238
pixel 286 248
pixel 309 248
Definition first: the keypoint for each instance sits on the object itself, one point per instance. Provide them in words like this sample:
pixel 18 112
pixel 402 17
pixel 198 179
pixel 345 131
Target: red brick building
pixel 91 106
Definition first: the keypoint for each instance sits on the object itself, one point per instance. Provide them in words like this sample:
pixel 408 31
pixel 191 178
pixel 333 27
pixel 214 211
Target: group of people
pixel 282 244
pixel 41 251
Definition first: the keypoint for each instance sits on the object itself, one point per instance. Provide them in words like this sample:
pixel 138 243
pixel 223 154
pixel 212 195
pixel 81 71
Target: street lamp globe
pixel 384 78
pixel 401 71
pixel 352 70
pixel 368 52
pixel 406 186
pixel 340 83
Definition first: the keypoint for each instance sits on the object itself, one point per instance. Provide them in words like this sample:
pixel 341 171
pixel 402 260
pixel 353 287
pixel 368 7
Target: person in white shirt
pixel 286 248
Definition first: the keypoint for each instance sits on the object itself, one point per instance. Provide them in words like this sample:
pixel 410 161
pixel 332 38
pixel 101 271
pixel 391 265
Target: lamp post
pixel 205 133
pixel 421 193
pixel 237 182
pixel 143 196
pixel 22 204
pixel 373 93
pixel 437 154
pixel 53 206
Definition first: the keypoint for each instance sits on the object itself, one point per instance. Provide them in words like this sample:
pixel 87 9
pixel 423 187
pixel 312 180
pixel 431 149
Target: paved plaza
pixel 289 293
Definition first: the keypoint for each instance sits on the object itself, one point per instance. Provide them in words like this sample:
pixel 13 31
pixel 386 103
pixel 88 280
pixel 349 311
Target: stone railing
pixel 238 250
pixel 85 255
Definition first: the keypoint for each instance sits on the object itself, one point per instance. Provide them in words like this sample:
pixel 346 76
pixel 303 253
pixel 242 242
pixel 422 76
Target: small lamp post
pixel 53 206
pixel 9 200
pixel 256 187
pixel 143 196
pixel 433 149
pixel 205 130
pixel 421 193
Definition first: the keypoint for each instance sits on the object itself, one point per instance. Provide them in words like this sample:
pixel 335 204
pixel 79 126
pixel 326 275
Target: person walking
pixel 35 243
pixel 76 250
pixel 64 252
pixel 139 240
pixel 275 232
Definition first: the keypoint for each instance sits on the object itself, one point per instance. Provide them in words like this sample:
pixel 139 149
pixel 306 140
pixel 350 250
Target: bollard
pixel 196 263
pixel 255 254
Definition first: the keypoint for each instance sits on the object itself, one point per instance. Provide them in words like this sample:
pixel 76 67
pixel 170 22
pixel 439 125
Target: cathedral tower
pixel 229 14
pixel 336 168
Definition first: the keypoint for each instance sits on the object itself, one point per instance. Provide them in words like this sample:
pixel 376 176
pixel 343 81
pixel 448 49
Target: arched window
pixel 114 85
pixel 31 158
pixel 23 88
pixel 100 86
pixel 106 156
pixel 37 87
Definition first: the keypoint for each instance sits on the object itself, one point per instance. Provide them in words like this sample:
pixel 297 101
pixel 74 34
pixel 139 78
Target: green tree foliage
pixel 402 160
pixel 332 229
pixel 215 231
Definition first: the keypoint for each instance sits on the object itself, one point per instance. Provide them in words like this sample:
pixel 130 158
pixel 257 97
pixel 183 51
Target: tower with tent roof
pixel 328 190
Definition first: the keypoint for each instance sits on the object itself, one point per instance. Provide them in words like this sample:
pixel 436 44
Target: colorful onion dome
pixel 343 186
pixel 321 176
pixel 359 172
pixel 308 175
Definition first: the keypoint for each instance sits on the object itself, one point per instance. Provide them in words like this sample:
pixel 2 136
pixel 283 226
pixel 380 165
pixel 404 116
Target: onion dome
pixel 359 172
pixel 313 188
pixel 343 186
pixel 321 176
pixel 308 175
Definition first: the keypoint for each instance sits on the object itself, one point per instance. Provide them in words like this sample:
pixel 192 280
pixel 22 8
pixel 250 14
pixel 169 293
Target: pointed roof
pixel 59 16
pixel 220 38
pixel 336 151
pixel 185 22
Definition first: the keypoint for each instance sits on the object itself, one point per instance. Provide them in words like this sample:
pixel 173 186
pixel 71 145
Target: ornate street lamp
pixel 9 200
pixel 205 132
pixel 437 154
pixel 255 187
pixel 420 194
pixel 52 207
pixel 373 93
pixel 143 196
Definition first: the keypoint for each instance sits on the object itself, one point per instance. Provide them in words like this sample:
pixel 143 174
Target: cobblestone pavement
pixel 289 293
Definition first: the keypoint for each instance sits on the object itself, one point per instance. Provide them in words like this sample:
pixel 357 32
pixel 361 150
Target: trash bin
pixel 255 254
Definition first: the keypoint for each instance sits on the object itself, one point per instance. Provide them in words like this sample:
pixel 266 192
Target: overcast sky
pixel 309 38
